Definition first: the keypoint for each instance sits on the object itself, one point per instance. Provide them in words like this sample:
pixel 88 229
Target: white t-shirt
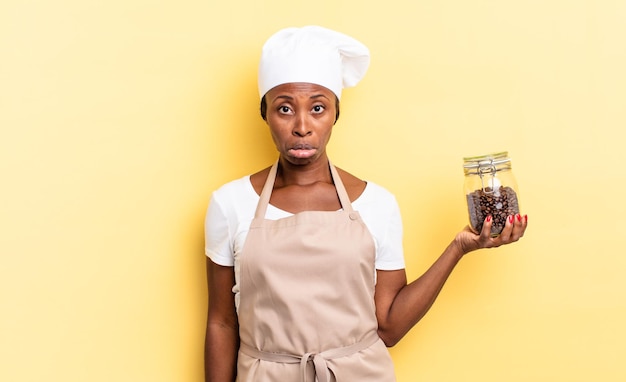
pixel 232 208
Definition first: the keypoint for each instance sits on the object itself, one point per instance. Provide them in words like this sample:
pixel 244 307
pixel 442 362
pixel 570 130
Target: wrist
pixel 458 248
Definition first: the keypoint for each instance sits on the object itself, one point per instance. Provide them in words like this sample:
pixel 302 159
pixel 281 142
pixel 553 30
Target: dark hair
pixel 263 109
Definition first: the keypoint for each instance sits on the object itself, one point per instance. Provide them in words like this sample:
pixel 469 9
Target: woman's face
pixel 301 118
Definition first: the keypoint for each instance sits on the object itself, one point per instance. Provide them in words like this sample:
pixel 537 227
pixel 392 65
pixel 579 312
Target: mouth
pixel 302 151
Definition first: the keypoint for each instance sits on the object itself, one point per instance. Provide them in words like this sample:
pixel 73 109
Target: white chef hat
pixel 315 55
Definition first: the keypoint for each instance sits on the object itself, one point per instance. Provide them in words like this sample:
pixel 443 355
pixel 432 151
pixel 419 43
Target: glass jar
pixel 490 189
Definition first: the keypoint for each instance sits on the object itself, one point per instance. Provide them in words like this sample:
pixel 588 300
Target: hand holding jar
pixel 492 203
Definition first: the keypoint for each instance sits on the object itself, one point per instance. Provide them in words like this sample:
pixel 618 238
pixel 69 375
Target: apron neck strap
pixel 341 190
pixel 264 199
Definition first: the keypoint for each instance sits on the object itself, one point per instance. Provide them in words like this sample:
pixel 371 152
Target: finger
pixel 485 233
pixel 520 226
pixel 507 231
pixel 516 230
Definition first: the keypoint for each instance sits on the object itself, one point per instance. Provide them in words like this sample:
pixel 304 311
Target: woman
pixel 306 271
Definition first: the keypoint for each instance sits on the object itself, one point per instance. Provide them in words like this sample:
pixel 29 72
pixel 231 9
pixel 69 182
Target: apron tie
pixel 319 363
pixel 322 371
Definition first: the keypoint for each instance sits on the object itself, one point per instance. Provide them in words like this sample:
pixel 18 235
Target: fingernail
pixel 511 219
pixel 519 217
pixel 526 218
pixel 489 218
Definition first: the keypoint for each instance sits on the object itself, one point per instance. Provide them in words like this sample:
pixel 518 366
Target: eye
pixel 284 109
pixel 317 109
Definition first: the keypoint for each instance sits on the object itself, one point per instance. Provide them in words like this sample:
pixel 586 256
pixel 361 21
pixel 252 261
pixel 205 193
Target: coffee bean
pixel 481 203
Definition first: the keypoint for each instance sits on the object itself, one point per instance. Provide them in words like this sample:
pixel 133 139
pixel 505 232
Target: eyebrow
pixel 282 97
pixel 290 98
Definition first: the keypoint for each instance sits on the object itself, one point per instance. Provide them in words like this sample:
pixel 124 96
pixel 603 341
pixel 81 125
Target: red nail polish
pixel 489 218
pixel 526 218
pixel 511 219
pixel 519 217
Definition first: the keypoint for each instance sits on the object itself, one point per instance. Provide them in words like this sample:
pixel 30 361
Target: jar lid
pixel 486 160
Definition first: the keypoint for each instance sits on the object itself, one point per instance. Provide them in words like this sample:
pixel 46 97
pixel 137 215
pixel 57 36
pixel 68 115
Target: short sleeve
pixel 217 235
pixel 381 214
pixel 390 254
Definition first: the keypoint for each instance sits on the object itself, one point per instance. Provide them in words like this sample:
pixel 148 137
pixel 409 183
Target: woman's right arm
pixel 222 332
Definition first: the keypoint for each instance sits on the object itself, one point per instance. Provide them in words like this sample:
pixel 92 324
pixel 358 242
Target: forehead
pixel 299 89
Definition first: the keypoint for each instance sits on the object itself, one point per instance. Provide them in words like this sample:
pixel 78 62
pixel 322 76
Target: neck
pixel 302 175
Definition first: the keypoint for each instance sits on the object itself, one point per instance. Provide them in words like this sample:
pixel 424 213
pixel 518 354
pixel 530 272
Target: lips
pixel 302 150
pixel 302 146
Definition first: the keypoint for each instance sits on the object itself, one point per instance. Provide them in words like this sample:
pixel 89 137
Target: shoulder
pixel 233 202
pixel 234 191
pixel 354 185
pixel 257 180
pixel 367 194
pixel 377 195
pixel 234 185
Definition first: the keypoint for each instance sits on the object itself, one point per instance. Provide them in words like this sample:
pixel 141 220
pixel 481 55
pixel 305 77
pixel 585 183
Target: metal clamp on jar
pixel 490 189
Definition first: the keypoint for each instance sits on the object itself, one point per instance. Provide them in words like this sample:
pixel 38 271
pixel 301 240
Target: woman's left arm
pixel 399 306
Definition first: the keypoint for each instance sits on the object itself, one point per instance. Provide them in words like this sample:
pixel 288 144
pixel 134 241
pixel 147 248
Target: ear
pixel 263 109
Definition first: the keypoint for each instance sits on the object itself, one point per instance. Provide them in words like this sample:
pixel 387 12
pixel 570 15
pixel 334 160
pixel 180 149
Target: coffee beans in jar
pixel 499 205
pixel 490 190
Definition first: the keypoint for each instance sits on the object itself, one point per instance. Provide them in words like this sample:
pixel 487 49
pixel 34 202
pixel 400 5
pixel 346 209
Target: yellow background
pixel 118 119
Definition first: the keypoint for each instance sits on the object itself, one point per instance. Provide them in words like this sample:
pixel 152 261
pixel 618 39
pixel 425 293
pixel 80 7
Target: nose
pixel 301 126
